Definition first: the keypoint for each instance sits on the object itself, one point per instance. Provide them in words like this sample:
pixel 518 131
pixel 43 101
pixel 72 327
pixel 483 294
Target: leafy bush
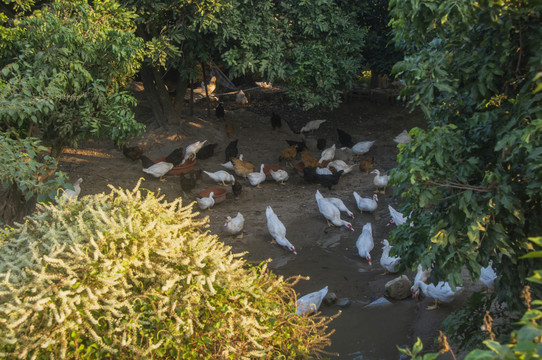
pixel 525 343
pixel 128 275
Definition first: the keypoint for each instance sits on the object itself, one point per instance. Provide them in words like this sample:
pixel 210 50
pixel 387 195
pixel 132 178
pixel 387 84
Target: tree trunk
pixel 14 207
pixel 160 102
pixel 182 85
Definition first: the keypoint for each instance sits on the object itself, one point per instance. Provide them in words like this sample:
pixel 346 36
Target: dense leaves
pixel 63 71
pixel 313 47
pixel 473 179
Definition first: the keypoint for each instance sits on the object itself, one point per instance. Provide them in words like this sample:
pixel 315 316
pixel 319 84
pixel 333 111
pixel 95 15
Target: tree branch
pixel 460 186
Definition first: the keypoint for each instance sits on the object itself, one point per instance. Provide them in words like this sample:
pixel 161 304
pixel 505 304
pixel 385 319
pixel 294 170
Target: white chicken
pixel 277 230
pixel 279 176
pixel 264 85
pixel 402 138
pixel 366 204
pixel 362 147
pixel 380 181
pixel 365 242
pixel 256 178
pixel 192 149
pixel 340 205
pixel 442 292
pixel 234 226
pixel 312 125
pixel 206 202
pixel 340 165
pixel 327 154
pixel 159 169
pixel 69 194
pixel 330 212
pixel 390 263
pixel 488 276
pixel 323 171
pixel 221 176
pixel 311 302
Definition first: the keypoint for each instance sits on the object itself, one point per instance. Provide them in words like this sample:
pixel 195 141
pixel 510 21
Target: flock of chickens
pixel 327 171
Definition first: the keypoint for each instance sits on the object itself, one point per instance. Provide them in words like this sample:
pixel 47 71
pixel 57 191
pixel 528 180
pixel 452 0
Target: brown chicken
pixel 242 168
pixel 288 154
pixel 308 159
pixel 366 164
pixel 229 129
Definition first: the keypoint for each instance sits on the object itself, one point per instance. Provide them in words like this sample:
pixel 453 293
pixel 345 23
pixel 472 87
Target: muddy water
pixel 330 258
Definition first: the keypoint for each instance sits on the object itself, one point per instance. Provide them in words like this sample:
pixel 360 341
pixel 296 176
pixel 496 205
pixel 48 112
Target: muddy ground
pixel 327 255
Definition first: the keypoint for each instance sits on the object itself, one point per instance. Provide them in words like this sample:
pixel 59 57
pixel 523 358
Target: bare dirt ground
pixel 327 255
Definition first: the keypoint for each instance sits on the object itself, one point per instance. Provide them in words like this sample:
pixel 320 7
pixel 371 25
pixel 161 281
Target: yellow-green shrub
pixel 128 275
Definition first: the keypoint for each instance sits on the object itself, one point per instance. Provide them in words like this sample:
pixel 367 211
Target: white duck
pixel 69 194
pixel 159 169
pixel 421 276
pixel 390 263
pixel 330 212
pixel 327 154
pixel 442 292
pixel 402 138
pixel 340 165
pixel 365 242
pixel 362 147
pixel 206 202
pixel 234 226
pixel 228 165
pixel 191 150
pixel 310 303
pixel 488 276
pixel 323 171
pixel 277 230
pixel 340 205
pixel 380 181
pixel 279 176
pixel 397 218
pixel 366 204
pixel 221 176
pixel 312 125
pixel 256 178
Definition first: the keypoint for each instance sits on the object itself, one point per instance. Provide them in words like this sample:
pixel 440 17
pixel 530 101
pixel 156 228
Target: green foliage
pixel 63 71
pixel 473 179
pixel 128 275
pixel 312 46
pixel 525 343
pixel 26 164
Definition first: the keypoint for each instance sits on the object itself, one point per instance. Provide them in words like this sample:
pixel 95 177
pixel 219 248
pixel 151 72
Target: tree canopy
pixel 472 180
pixel 64 71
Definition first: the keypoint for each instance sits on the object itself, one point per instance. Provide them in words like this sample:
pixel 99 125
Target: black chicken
pixel 236 188
pixel 206 152
pixel 175 157
pixel 220 112
pixel 321 144
pixel 300 145
pixel 344 138
pixel 329 180
pixel 310 175
pixel 133 152
pixel 231 150
pixel 275 121
pixel 188 182
pixel 146 162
